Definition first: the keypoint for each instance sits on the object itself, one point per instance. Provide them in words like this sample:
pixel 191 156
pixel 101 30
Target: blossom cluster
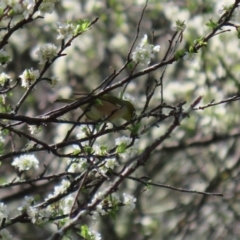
pixel 26 7
pixel 144 52
pixel 25 162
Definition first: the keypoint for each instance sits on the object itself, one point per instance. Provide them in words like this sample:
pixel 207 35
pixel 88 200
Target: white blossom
pixel 28 6
pixel 38 216
pixel 144 51
pixel 62 187
pixel 3 211
pixel 4 78
pixel 100 209
pixel 123 148
pixel 98 196
pixel 46 53
pixel 129 200
pixel 29 76
pixel 32 213
pixel 78 165
pixel 94 235
pixel 25 162
pixel 34 129
pixel 123 140
pixel 64 30
pixel 111 163
pixel 85 131
pixel 28 201
pixel 67 203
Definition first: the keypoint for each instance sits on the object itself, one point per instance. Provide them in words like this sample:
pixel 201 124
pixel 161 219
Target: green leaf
pixel 121 148
pixel 191 49
pixel 211 24
pixel 82 26
pixel 130 65
pixel 85 232
pixel 135 128
pixel 113 212
pixel 88 149
pixel 179 54
pixel 201 42
pixel 103 150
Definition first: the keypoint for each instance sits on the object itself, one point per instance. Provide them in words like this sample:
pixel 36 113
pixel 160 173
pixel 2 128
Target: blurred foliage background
pixel 202 154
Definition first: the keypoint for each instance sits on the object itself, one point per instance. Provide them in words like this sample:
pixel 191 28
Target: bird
pixel 106 108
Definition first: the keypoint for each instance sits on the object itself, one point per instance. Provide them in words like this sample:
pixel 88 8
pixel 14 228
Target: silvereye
pixel 107 108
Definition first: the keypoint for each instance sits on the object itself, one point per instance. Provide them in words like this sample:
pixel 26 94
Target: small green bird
pixel 107 108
